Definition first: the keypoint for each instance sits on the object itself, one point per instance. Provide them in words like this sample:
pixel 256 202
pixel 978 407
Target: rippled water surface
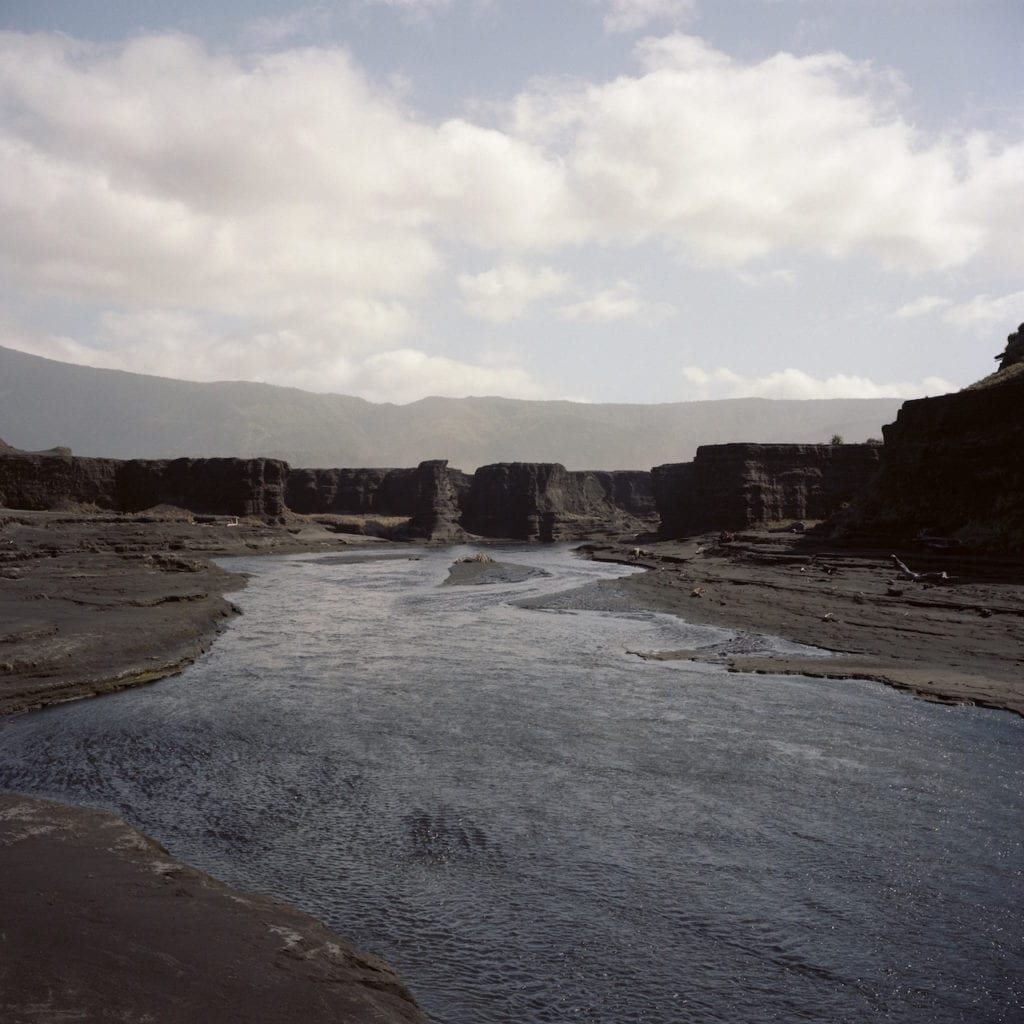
pixel 534 825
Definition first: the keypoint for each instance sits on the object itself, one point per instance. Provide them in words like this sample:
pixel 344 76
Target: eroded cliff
pixel 545 501
pixel 733 486
pixel 241 487
pixel 953 466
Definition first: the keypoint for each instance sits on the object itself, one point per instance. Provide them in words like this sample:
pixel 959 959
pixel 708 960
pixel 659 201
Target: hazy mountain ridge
pixel 112 413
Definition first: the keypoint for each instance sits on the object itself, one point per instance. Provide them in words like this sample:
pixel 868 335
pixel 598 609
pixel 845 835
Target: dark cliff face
pixel 545 501
pixel 733 486
pixel 1013 354
pixel 240 487
pixel 952 465
pixel 675 498
pixel 379 492
pixel 42 481
pixel 525 501
pixel 435 502
pixel 341 491
pixel 510 499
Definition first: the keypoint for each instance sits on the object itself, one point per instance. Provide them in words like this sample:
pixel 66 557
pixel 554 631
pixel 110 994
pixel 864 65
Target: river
pixel 534 825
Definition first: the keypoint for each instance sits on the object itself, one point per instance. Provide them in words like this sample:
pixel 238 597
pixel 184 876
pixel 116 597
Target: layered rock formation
pixel 437 495
pixel 41 481
pixel 238 487
pixel 354 492
pixel 733 486
pixel 519 500
pixel 952 466
pixel 340 491
pixel 45 480
pixel 545 501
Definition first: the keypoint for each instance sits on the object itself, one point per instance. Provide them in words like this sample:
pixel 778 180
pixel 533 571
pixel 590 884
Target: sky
pixel 595 200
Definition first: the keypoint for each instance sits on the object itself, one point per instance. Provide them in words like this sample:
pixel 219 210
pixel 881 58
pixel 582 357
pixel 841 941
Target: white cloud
pixel 733 161
pixel 790 383
pixel 620 302
pixel 922 306
pixel 982 310
pixel 634 15
pixel 408 374
pixel 506 292
pixel 172 344
pixel 988 309
pixel 410 6
pixel 781 276
pixel 288 195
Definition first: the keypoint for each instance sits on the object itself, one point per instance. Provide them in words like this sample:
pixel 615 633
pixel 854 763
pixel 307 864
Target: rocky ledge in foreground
pixel 101 924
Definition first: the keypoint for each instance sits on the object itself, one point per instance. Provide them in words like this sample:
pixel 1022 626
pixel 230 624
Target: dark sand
pixel 961 642
pixel 473 573
pixel 99 923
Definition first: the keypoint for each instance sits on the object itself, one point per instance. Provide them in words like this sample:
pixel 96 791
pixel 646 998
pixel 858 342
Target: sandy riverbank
pixel 95 603
pixel 90 604
pixel 100 923
pixel 957 642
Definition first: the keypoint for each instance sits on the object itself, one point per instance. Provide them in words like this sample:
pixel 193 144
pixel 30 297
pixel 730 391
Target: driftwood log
pixel 922 577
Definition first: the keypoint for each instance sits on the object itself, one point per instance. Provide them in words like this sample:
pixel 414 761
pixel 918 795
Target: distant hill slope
pixel 44 403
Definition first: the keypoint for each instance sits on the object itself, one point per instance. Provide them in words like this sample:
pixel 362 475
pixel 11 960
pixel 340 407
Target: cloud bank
pixel 725 383
pixel 213 209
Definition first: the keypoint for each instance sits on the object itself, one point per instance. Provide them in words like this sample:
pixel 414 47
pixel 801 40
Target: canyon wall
pixel 953 465
pixel 734 486
pixel 517 500
pixel 383 492
pixel 545 501
pixel 525 501
pixel 240 487
pixel 437 496
pixel 41 480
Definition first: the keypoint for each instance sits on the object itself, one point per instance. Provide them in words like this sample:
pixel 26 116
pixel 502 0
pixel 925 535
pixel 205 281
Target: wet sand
pixel 100 923
pixel 959 642
pixel 481 572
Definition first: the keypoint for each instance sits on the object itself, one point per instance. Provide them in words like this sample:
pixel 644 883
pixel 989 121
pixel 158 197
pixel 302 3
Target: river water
pixel 534 825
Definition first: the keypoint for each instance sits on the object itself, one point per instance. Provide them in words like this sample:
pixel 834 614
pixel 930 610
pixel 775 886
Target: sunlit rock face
pixel 733 486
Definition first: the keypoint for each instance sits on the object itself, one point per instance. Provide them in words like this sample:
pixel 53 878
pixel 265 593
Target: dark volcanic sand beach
pixel 95 603
pixel 100 923
pixel 959 642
